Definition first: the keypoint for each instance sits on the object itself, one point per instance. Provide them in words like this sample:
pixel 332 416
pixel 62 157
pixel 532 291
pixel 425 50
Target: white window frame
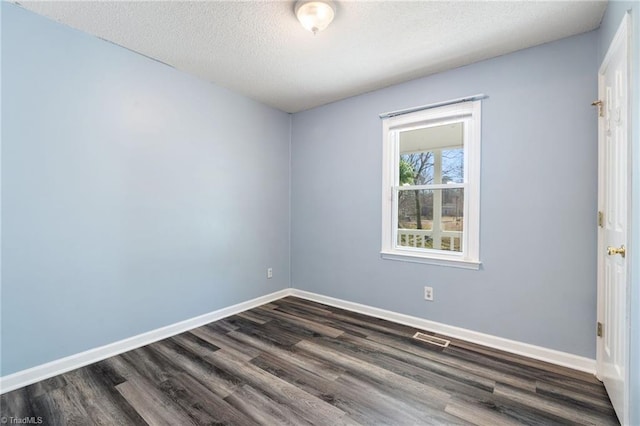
pixel 469 113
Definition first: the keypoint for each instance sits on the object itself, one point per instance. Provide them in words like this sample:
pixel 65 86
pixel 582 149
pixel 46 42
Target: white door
pixel 613 177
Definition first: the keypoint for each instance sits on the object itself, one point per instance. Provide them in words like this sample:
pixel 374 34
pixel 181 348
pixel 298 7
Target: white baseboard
pixel 512 346
pixel 59 366
pixel 53 368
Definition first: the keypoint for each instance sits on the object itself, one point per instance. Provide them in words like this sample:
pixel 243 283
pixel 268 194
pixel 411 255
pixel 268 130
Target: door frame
pixel 622 36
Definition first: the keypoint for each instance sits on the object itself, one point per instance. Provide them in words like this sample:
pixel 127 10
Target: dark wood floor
pixel 297 362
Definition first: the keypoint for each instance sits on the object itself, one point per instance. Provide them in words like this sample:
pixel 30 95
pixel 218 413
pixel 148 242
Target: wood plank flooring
pixel 296 362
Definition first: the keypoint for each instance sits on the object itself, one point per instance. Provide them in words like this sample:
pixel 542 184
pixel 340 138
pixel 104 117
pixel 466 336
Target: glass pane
pixel 431 218
pixel 453 165
pixel 412 202
pixel 417 168
pixel 432 155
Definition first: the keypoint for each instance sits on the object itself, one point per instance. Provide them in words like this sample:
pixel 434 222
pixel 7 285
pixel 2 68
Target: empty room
pixel 320 212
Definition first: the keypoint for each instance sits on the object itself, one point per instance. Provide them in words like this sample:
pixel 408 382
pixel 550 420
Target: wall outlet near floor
pixel 269 272
pixel 428 293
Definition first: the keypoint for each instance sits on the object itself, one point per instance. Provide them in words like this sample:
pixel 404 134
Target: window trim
pixel 470 112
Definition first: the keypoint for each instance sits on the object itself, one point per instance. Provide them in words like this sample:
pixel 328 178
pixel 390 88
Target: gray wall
pixel 538 200
pixel 134 196
pixel 610 23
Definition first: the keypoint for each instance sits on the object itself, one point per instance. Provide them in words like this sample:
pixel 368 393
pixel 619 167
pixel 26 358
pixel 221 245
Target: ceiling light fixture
pixel 315 15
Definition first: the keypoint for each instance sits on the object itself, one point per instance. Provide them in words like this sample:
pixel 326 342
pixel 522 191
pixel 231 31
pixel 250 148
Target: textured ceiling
pixel 259 49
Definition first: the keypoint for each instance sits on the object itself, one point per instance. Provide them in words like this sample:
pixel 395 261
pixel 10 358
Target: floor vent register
pixel 443 343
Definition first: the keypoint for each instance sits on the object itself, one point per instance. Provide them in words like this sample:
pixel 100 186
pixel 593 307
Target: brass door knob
pixel 613 251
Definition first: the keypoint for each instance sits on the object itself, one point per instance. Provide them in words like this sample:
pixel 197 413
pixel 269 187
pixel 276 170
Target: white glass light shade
pixel 315 15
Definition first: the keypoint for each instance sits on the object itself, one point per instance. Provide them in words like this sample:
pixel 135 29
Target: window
pixel 431 186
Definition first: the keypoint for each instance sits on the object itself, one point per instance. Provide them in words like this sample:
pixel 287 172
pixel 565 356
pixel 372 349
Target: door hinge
pixel 599 104
pixel 599 329
pixel 600 219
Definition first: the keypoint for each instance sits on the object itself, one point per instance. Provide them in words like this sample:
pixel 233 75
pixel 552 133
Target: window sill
pixel 431 260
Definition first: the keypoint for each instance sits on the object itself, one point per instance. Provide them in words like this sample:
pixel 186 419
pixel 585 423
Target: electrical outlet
pixel 269 272
pixel 428 293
